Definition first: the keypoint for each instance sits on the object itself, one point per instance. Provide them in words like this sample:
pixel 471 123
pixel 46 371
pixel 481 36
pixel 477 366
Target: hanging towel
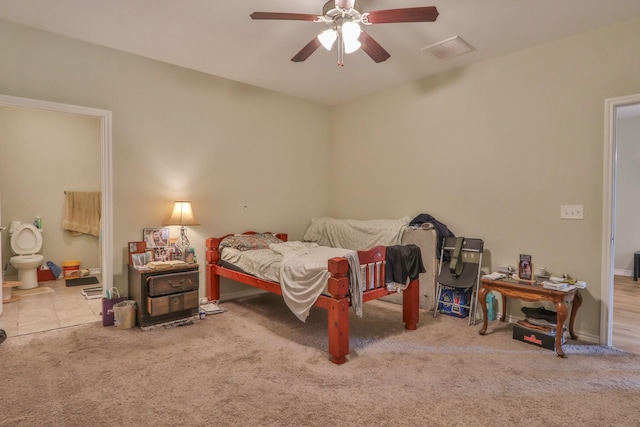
pixel 81 213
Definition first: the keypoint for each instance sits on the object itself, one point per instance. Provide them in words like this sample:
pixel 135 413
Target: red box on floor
pixel 536 337
pixel 45 275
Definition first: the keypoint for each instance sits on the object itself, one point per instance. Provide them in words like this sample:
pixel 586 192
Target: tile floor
pixel 63 307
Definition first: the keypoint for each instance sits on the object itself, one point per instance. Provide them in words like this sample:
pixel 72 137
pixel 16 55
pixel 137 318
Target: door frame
pixel 608 212
pixel 106 238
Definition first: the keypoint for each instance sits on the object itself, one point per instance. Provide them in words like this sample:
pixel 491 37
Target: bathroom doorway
pixel 44 174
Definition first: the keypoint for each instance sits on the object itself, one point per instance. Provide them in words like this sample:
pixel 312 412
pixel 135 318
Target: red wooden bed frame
pixel 337 304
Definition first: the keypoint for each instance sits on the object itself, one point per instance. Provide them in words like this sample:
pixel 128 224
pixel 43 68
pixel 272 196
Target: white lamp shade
pixel 327 38
pixel 350 35
pixel 350 47
pixel 182 214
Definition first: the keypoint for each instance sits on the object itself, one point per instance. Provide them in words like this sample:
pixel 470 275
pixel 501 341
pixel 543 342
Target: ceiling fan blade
pixel 411 14
pixel 373 48
pixel 306 51
pixel 284 16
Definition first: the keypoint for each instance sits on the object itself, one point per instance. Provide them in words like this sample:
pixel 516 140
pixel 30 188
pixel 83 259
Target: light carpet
pixel 257 365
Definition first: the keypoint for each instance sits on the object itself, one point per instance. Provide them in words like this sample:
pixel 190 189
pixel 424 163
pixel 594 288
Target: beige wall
pixel 494 149
pixel 180 134
pixel 44 154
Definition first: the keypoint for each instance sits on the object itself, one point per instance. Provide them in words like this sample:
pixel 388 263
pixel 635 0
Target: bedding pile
pixel 304 275
pixel 357 235
pixel 299 267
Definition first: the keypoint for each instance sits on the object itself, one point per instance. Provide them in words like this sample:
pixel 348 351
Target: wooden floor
pixel 626 314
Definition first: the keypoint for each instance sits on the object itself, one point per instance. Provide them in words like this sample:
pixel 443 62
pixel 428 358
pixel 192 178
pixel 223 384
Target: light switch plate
pixel 571 212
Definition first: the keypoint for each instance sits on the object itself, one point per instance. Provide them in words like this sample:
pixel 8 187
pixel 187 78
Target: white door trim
pixel 106 246
pixel 608 212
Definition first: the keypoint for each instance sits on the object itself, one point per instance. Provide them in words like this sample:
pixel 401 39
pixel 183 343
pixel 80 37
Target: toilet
pixel 26 242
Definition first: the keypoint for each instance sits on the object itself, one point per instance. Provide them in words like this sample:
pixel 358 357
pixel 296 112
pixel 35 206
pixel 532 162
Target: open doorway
pixel 104 117
pixel 617 253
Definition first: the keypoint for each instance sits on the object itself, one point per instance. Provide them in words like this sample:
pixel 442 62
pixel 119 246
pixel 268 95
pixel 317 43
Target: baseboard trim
pixel 627 273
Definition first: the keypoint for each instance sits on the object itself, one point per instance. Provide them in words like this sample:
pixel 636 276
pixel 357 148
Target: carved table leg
pixel 503 318
pixel 561 309
pixel 577 302
pixel 482 299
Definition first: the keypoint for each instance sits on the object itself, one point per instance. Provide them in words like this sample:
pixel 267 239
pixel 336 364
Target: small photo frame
pixel 189 255
pixel 525 267
pixel 140 259
pixel 160 254
pixel 156 237
pixel 174 252
pixel 136 248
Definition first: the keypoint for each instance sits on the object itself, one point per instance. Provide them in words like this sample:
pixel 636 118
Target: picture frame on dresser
pixel 156 237
pixel 136 248
pixel 159 254
pixel 140 259
pixel 189 255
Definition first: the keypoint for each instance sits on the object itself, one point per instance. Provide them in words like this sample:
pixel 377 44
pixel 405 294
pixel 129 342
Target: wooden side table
pixel 6 291
pixel 529 292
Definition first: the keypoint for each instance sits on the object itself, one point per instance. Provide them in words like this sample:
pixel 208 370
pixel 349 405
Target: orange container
pixel 71 268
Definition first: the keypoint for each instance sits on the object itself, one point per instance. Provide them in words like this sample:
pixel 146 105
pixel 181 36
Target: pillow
pixel 245 242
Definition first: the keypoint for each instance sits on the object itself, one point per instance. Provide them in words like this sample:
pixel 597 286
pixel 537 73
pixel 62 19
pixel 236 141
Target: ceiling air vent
pixel 449 48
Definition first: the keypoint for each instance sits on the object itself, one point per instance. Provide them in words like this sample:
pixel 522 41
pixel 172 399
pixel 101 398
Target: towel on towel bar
pixel 81 213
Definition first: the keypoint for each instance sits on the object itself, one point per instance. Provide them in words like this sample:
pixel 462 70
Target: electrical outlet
pixel 571 212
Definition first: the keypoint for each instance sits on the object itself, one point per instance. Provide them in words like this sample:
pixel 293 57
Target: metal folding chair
pixel 459 277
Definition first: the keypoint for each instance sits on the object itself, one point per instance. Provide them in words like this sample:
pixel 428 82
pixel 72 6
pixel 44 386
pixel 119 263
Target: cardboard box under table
pixel 536 337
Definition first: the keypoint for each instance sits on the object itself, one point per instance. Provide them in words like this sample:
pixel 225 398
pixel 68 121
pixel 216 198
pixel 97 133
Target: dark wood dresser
pixel 164 295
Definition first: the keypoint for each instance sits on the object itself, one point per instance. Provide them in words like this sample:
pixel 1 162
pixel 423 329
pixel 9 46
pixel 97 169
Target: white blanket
pixel 301 270
pixel 304 275
pixel 357 235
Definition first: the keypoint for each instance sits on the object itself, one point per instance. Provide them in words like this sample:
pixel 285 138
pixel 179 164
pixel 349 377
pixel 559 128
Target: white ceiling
pixel 219 38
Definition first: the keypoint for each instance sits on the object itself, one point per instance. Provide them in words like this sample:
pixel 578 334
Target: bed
pixel 336 295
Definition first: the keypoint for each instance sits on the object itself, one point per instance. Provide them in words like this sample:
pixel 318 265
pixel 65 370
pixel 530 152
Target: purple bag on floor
pixel 108 317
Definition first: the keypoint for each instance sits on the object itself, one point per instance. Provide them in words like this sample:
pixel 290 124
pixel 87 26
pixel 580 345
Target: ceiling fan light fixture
pixel 350 34
pixel 351 46
pixel 327 38
pixel 343 18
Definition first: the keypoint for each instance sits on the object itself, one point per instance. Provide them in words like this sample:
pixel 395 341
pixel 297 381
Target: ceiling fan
pixel 344 18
